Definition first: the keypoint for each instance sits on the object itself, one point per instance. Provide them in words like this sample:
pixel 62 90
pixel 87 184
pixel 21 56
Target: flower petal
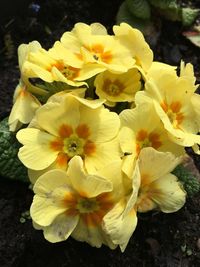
pixel 23 109
pixel 52 116
pixel 168 193
pixel 36 153
pixel 94 236
pixel 104 124
pixel 118 227
pixel 61 228
pixel 154 164
pixel 85 184
pixel 113 172
pixel 105 153
pixel 49 181
pixel 43 210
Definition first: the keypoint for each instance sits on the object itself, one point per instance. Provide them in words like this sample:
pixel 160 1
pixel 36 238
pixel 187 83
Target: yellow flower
pixel 153 186
pixel 172 98
pixel 24 103
pixel 75 126
pixel 23 53
pixel 159 188
pixel 24 108
pixel 118 87
pixel 75 202
pixel 134 40
pixel 98 50
pixel 141 127
pixel 121 221
pixel 48 67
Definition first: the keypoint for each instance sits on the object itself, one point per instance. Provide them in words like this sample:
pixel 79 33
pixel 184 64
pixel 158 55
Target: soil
pixel 163 240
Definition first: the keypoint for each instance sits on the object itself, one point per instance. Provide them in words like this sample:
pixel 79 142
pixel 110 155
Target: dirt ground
pixel 160 240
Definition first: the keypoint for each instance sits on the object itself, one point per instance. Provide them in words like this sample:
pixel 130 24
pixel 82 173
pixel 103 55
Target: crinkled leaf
pixel 163 4
pixel 139 8
pixel 190 183
pixel 124 15
pixel 10 165
pixel 189 15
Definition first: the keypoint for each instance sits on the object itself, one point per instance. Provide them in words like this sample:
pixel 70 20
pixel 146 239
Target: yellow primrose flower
pixel 44 65
pixel 75 126
pixel 75 202
pixel 24 103
pixel 23 53
pixel 134 40
pixel 159 188
pixel 172 98
pixel 154 187
pixel 118 87
pixel 121 221
pixel 24 108
pixel 141 127
pixel 98 50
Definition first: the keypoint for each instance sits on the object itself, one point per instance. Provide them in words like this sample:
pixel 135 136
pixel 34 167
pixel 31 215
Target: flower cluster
pixel 106 127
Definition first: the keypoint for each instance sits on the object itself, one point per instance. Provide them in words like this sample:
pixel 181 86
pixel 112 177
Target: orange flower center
pixel 173 112
pixel 145 139
pixel 98 53
pixel 72 142
pixel 113 88
pixel 90 210
pixel 69 72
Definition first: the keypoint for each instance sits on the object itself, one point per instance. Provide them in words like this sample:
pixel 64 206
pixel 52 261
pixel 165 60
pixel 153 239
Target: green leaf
pixel 51 89
pixel 163 4
pixel 168 9
pixel 124 15
pixel 139 8
pixel 189 15
pixel 189 181
pixel 10 165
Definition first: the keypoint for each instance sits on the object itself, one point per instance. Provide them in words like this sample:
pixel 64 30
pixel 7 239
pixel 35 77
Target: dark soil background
pixel 163 240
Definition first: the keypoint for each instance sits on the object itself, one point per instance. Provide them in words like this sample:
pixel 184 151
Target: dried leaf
pixel 193 36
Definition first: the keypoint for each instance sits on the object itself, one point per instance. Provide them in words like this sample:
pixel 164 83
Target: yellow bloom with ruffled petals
pixel 74 126
pixel 75 202
pixel 24 102
pixel 134 40
pixel 172 98
pixel 159 188
pixel 153 187
pixel 118 87
pixel 42 64
pixel 24 108
pixel 141 127
pixel 98 50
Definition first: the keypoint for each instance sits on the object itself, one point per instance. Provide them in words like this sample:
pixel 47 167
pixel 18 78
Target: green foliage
pixel 189 15
pixel 51 89
pixel 189 181
pixel 10 165
pixel 139 8
pixel 138 13
pixel 124 15
pixel 163 4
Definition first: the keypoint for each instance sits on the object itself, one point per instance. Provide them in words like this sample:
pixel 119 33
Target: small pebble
pixel 22 220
